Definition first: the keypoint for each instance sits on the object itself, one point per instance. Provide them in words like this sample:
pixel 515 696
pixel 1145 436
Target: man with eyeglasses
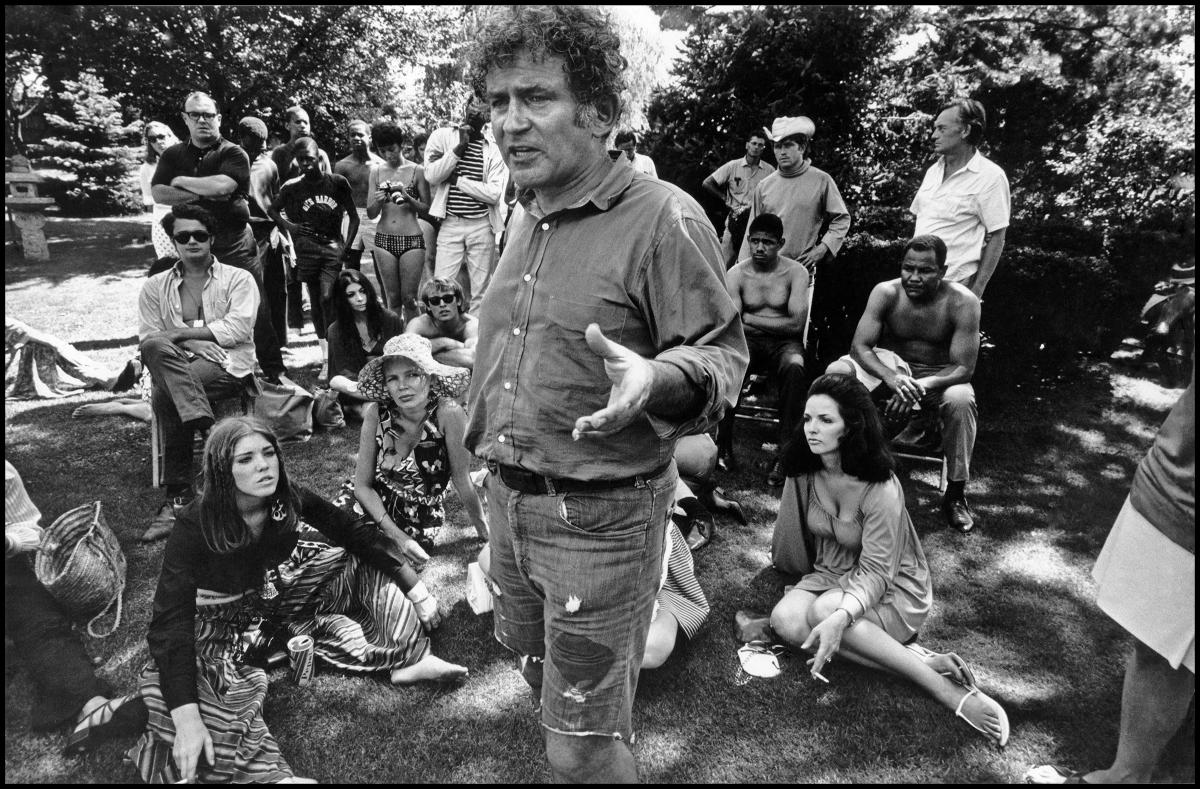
pixel 451 330
pixel 195 326
pixel 214 173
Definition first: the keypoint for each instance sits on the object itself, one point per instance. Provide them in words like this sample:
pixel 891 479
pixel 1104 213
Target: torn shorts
pixel 578 574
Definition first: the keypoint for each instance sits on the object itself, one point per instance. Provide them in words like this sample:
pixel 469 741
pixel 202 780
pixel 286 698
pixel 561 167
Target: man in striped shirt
pixel 467 175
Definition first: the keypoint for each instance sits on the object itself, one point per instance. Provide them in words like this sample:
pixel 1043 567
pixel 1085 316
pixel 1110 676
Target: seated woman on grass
pixel 361 327
pixel 411 445
pixel 254 549
pixel 868 590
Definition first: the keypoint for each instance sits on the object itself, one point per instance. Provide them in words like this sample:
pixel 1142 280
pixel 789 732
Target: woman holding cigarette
pixel 253 560
pixel 868 590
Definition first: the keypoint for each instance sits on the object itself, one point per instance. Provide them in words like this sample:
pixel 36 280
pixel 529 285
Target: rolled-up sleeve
pixel 236 326
pixel 695 321
pixel 882 541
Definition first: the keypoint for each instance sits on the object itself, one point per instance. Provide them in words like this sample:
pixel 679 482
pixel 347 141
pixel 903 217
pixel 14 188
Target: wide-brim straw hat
pixel 1184 273
pixel 444 380
pixel 786 127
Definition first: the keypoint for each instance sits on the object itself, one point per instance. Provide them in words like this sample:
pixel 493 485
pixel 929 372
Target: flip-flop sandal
pixel 760 659
pixel 95 725
pixel 1053 774
pixel 968 676
pixel 1005 729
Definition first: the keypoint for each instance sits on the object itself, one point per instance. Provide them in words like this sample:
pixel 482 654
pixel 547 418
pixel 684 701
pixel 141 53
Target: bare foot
pixel 985 715
pixel 430 668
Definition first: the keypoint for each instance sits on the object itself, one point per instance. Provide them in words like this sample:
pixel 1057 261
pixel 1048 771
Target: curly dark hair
pixel 189 211
pixel 865 452
pixel 386 133
pixel 583 37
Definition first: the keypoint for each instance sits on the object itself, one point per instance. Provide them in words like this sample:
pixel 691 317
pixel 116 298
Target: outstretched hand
pixel 632 377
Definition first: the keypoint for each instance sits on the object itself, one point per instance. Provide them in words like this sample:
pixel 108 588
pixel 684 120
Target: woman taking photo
pixel 248 564
pixel 360 328
pixel 868 591
pixel 411 445
pixel 397 192
pixel 159 138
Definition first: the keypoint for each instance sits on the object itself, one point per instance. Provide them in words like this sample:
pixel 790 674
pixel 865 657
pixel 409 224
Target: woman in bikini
pixel 398 192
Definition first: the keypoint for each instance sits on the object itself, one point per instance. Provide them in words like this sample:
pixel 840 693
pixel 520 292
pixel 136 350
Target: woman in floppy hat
pixel 411 446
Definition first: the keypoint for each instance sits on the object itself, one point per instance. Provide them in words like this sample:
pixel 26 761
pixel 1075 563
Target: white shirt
pixel 642 163
pixel 961 210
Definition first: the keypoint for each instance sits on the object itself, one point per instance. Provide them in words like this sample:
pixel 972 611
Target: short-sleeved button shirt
pixel 738 177
pixel 961 210
pixel 220 158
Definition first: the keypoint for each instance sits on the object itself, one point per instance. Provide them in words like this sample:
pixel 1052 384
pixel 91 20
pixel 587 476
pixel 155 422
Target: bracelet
pixel 849 615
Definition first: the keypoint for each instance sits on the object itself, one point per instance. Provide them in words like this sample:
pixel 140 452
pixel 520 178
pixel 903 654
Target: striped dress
pixel 358 617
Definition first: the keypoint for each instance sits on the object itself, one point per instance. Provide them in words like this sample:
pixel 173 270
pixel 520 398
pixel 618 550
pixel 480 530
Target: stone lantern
pixel 27 208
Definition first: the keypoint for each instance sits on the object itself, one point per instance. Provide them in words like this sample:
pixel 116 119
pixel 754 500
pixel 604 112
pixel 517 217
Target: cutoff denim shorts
pixel 578 574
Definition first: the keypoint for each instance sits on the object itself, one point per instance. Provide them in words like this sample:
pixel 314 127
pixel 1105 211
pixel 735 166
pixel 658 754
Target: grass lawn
pixel 1015 598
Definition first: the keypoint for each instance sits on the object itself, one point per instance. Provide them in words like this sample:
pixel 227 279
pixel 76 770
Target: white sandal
pixel 760 659
pixel 1005 730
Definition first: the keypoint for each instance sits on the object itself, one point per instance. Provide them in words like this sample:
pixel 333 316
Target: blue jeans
pixel 578 574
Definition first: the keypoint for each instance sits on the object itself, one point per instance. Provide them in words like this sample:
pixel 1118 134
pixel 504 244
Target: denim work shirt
pixel 636 256
pixel 230 301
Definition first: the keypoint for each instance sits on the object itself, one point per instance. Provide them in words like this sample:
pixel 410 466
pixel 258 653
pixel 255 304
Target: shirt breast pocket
pixel 954 207
pixel 566 361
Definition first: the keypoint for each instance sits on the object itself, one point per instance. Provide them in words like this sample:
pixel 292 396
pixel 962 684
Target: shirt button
pixel 500 438
pixel 508 385
pixel 528 277
pixel 545 225
pixel 516 331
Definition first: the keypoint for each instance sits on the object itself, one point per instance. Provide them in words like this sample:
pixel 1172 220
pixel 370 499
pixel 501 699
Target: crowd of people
pixel 557 334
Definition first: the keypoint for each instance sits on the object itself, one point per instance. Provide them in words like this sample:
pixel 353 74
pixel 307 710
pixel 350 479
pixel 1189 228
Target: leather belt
pixel 524 481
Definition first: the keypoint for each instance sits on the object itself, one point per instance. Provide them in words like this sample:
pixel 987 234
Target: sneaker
pixel 958 514
pixel 727 462
pixel 164 519
pixel 760 659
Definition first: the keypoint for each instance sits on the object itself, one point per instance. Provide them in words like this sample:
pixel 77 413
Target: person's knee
pixel 789 623
pixel 577 759
pixel 154 347
pixel 959 398
pixel 839 368
pixel 657 652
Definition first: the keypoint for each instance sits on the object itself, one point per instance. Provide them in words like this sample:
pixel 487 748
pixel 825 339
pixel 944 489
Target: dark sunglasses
pixel 157 137
pixel 184 236
pixel 201 116
pixel 448 298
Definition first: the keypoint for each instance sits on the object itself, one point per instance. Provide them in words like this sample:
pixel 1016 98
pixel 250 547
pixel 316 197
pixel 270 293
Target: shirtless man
pixel 356 168
pixel 450 329
pixel 915 348
pixel 771 293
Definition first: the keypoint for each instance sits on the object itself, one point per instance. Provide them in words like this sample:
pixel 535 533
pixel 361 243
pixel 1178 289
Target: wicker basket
pixel 81 564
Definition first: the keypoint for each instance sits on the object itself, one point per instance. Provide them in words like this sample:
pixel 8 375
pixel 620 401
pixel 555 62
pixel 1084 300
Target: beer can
pixel 302 656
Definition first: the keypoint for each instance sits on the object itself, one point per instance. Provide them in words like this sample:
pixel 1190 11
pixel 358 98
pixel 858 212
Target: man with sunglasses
pixel 195 326
pixel 450 329
pixel 214 173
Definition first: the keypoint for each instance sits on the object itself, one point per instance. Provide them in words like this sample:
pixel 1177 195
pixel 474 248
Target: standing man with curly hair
pixel 605 335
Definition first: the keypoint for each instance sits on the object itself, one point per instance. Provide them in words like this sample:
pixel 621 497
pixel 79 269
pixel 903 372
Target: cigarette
pixel 817 674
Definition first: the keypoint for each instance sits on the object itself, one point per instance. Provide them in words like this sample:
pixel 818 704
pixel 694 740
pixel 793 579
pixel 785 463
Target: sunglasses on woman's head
pixel 184 236
pixel 448 298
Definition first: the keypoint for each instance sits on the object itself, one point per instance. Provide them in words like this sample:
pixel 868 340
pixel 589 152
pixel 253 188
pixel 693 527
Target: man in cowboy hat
pixel 801 195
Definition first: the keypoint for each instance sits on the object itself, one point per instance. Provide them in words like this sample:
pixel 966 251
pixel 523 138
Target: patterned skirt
pixel 420 517
pixel 359 619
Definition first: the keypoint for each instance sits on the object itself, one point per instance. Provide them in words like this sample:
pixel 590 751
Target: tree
pixel 741 69
pixel 93 142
